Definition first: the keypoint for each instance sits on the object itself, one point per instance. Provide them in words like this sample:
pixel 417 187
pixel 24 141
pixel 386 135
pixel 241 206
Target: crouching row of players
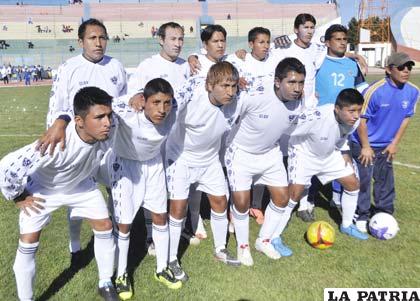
pixel 123 150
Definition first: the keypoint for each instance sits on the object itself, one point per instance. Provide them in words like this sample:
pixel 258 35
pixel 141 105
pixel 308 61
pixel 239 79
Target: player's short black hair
pixel 162 29
pixel 88 97
pixel 252 34
pixel 303 18
pixel 289 64
pixel 334 28
pixel 349 97
pixel 157 85
pixel 208 32
pixel 82 28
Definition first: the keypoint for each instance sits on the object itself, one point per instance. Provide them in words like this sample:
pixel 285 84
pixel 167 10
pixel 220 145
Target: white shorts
pixel 302 167
pixel 180 177
pixel 90 204
pixel 136 184
pixel 245 169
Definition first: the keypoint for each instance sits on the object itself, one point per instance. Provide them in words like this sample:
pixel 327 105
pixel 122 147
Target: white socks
pixel 272 218
pixel 219 224
pixel 175 229
pixel 104 248
pixel 160 236
pixel 121 252
pixel 24 268
pixel 241 224
pixel 284 218
pixel 349 205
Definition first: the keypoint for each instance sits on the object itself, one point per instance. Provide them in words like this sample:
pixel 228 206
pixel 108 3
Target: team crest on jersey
pixel 303 117
pixel 115 166
pixel 26 162
pixel 114 80
pixel 404 104
pixel 13 174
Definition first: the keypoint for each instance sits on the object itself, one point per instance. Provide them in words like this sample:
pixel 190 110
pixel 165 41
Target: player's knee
pixel 178 209
pixel 352 185
pixel 30 238
pixel 124 228
pixel 101 224
pixel 159 218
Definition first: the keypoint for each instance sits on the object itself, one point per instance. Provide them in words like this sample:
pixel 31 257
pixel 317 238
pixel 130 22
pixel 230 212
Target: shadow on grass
pixel 85 257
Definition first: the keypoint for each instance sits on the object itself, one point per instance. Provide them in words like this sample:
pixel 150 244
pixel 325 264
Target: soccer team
pixel 219 124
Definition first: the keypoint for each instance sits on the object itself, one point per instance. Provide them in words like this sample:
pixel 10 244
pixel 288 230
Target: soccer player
pixel 41 184
pixel 192 154
pixel 91 68
pixel 389 105
pixel 336 73
pixel 167 65
pixel 137 177
pixel 314 150
pixel 253 154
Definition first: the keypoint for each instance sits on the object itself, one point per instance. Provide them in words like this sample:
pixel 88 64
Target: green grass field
pixel 349 263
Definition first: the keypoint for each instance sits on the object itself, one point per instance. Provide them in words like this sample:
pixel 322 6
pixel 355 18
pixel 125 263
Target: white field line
pixel 407 165
pixel 19 135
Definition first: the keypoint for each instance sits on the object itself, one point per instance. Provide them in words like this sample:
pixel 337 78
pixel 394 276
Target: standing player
pixel 389 105
pixel 254 156
pixel 167 65
pixel 137 177
pixel 336 73
pixel 39 185
pixel 91 68
pixel 192 154
pixel 314 150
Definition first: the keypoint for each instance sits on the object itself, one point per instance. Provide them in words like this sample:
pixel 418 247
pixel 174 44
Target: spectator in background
pixel 4 75
pixel 27 76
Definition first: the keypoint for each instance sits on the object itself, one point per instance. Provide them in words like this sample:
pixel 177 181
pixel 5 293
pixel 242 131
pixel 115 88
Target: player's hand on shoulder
pixel 137 102
pixel 283 42
pixel 242 83
pixel 194 63
pixel 54 135
pixel 29 204
pixel 241 54
pixel 366 156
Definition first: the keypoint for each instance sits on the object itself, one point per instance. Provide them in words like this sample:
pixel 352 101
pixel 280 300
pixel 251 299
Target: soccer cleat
pixel 123 287
pixel 150 245
pixel 306 215
pixel 361 226
pixel 258 215
pixel 192 239
pixel 108 292
pixel 224 256
pixel 201 231
pixel 244 255
pixel 167 278
pixel 281 248
pixel 353 232
pixel 265 246
pixel 76 260
pixel 177 271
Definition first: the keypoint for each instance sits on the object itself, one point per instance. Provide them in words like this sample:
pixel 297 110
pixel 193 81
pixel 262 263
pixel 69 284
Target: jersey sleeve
pixel 15 168
pixel 137 81
pixel 184 94
pixel 413 104
pixel 359 81
pixel 370 104
pixel 123 81
pixel 59 103
pixel 304 123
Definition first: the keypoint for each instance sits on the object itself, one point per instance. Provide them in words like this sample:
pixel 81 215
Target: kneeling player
pixel 40 185
pixel 314 150
pixel 192 152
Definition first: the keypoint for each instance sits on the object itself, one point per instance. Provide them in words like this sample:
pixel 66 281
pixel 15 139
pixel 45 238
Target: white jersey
pixel 138 138
pixel 158 67
pixel 255 72
pixel 264 118
pixel 76 73
pixel 312 57
pixel 197 134
pixel 62 172
pixel 318 133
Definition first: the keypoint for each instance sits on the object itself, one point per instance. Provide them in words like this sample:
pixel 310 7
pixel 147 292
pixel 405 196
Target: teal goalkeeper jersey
pixel 334 75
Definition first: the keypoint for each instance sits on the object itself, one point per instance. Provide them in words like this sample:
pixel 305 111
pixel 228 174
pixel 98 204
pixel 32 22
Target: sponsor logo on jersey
pixel 404 104
pixel 263 116
pixel 83 83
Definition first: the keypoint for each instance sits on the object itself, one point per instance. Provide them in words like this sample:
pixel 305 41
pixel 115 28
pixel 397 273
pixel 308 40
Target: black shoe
pixel 306 215
pixel 108 292
pixel 76 260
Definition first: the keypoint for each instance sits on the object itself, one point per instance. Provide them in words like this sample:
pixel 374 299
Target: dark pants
pixel 383 186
